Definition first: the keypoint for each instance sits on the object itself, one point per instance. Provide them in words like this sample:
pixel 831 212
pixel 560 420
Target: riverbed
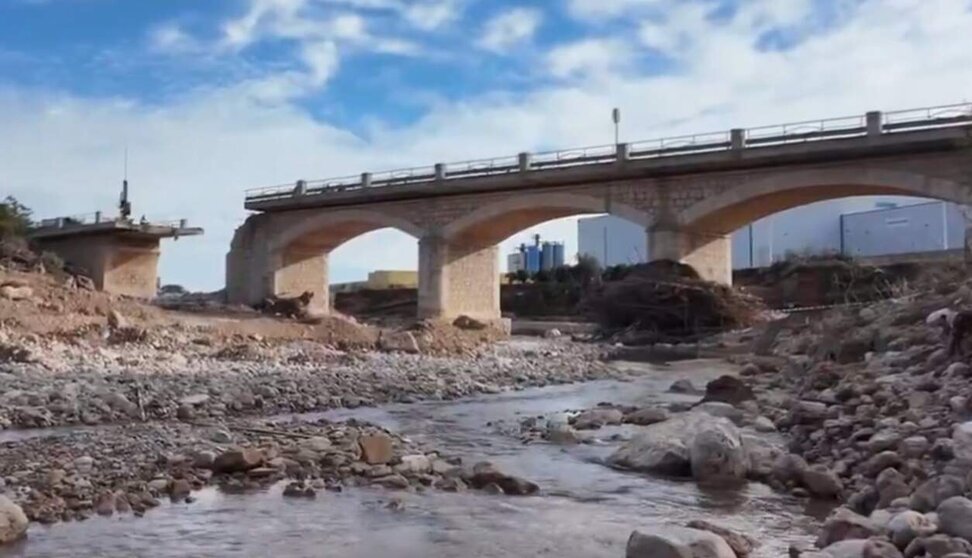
pixel 585 509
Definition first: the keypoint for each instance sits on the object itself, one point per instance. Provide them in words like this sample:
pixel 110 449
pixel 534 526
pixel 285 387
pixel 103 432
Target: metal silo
pixel 558 254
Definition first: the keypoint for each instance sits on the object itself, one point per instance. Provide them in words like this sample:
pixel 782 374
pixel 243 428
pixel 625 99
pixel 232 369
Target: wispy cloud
pixel 589 57
pixel 510 29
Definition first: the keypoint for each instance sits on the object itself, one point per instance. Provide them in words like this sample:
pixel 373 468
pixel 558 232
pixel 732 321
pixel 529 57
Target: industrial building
pixel 859 227
pixel 535 257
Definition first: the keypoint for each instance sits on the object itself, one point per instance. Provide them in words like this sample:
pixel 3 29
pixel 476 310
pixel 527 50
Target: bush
pixel 14 218
pixel 52 262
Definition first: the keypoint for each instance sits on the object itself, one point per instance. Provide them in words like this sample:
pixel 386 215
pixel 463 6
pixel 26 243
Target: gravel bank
pixel 53 383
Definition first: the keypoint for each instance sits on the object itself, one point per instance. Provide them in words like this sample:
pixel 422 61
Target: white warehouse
pixel 860 226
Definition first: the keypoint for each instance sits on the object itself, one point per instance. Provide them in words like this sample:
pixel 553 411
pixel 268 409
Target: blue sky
pixel 212 97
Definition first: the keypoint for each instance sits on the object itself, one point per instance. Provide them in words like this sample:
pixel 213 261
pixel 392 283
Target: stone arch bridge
pixel 688 193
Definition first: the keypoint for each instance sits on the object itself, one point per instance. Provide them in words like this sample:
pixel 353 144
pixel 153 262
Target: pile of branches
pixel 669 301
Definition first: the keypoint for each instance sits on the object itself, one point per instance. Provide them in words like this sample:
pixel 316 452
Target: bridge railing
pixel 666 147
pixel 564 158
pixel 873 123
pixel 80 219
pixel 810 130
pixel 931 117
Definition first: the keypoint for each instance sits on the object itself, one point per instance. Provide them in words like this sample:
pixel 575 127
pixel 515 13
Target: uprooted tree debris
pixel 668 301
pixel 296 307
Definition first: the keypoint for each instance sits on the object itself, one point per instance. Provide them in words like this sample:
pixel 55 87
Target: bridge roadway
pixel 688 192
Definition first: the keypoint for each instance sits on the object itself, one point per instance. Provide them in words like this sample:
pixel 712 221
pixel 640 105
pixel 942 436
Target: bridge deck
pixel 873 134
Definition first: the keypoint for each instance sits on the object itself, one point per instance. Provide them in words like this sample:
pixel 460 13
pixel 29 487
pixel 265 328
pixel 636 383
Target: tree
pixel 562 274
pixel 587 270
pixel 14 218
pixel 542 276
pixel 522 276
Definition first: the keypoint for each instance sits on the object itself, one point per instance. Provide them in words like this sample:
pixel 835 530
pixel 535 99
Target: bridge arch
pixel 287 253
pixel 744 203
pixel 328 230
pixel 497 221
pixel 459 269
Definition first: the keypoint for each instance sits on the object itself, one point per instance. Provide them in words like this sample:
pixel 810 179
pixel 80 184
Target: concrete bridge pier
pixel 458 278
pixel 255 269
pixel 299 269
pixel 710 254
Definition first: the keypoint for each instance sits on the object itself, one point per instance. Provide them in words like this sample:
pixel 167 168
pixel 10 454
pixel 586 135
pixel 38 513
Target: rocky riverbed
pixel 859 409
pixel 63 476
pixel 876 416
pixel 48 382
pixel 582 508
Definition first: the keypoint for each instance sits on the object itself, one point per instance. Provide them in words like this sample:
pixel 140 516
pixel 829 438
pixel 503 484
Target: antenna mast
pixel 125 206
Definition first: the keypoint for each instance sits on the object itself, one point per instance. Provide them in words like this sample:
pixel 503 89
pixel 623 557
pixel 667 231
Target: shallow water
pixel 586 509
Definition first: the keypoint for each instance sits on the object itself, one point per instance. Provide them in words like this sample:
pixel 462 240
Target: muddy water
pixel 586 509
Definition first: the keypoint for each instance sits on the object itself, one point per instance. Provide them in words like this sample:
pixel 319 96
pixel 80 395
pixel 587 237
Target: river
pixel 585 510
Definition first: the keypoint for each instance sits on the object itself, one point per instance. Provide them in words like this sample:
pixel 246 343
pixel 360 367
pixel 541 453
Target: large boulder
pixel 909 525
pixel 485 474
pixel 13 521
pixel 762 454
pixel 808 412
pixel 875 548
pixel 376 449
pixel 728 389
pixel 931 493
pixel 596 418
pixel 955 517
pixel 237 460
pixel 938 546
pixel 16 292
pixel 822 482
pixel 741 544
pixel 665 447
pixel 789 468
pixel 842 525
pixel 684 386
pixel 399 341
pixel 962 438
pixel 646 416
pixel 677 542
pixel 717 455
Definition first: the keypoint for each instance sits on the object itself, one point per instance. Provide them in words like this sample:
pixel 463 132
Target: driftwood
pixel 670 304
pixel 290 307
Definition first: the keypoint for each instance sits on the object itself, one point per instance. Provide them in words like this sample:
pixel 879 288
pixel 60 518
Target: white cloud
pixel 510 29
pixel 321 60
pixel 195 156
pixel 589 57
pixel 428 16
pixel 170 38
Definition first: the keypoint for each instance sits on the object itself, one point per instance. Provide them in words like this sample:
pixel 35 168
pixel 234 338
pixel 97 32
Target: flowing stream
pixel 585 510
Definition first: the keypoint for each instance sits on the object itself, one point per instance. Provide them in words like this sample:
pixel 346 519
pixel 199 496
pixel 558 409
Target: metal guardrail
pixel 98 217
pixel 873 123
pixel 82 219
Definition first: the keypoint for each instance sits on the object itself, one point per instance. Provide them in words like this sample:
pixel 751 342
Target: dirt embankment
pixel 45 305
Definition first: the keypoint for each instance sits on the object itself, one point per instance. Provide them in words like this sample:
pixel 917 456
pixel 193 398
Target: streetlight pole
pixel 616 117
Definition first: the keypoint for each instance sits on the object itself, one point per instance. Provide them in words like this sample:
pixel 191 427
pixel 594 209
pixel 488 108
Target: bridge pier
pixel 458 278
pixel 255 269
pixel 710 254
pixel 298 269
